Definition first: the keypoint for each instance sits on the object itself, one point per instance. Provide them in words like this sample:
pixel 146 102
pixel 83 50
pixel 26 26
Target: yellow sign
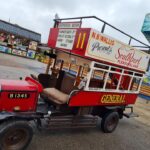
pixel 113 99
pixel 81 40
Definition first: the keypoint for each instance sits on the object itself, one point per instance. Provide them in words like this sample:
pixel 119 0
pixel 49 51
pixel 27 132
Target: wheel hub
pixel 14 139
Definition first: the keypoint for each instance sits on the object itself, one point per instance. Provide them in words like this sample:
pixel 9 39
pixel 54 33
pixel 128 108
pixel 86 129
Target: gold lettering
pixel 79 39
pixel 113 99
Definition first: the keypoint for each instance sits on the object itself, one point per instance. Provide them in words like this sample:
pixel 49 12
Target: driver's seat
pixel 60 93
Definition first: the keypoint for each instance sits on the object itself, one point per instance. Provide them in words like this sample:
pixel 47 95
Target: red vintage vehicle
pixel 93 76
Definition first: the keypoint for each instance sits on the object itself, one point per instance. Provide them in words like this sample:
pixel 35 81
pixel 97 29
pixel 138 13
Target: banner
pixel 19 52
pixel 5 49
pixel 31 54
pixel 105 48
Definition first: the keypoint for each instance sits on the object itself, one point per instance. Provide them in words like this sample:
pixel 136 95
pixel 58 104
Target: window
pixel 103 77
pixel 97 79
pixel 135 84
pixel 124 82
pixel 112 81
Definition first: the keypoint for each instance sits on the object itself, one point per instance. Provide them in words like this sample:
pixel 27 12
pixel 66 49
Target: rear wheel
pixel 109 122
pixel 15 135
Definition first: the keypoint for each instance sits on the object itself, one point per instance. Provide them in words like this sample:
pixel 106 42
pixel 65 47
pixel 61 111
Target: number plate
pixel 18 95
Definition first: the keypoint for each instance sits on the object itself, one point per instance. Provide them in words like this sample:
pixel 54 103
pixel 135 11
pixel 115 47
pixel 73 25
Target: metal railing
pixel 103 29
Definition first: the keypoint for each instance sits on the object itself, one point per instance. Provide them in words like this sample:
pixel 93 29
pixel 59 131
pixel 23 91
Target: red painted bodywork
pixel 88 98
pixel 52 39
pixel 76 50
pixel 29 86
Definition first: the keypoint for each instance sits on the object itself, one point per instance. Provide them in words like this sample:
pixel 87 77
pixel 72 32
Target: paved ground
pixel 131 134
pixel 13 67
pixel 142 107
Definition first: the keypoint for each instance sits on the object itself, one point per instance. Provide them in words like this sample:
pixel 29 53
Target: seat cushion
pixel 55 95
pixel 67 84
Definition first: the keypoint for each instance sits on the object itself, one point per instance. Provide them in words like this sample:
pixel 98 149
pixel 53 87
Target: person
pixel 114 79
pixel 83 81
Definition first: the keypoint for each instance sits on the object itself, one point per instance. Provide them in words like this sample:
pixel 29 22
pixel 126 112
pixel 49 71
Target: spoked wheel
pixel 109 122
pixel 15 135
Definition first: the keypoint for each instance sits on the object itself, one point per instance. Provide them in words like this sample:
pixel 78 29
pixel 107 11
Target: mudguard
pixel 16 115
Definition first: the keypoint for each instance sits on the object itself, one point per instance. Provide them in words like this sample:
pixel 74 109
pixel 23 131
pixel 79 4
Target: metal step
pixel 72 122
pixel 130 115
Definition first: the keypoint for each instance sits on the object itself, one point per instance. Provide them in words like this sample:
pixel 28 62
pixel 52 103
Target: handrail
pixel 103 28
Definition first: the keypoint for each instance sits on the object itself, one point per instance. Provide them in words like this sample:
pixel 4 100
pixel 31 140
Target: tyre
pixel 109 122
pixel 15 135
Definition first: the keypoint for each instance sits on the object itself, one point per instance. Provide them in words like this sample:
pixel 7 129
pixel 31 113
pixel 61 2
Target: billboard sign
pixel 105 48
pixel 5 49
pixel 146 79
pixel 31 54
pixel 19 52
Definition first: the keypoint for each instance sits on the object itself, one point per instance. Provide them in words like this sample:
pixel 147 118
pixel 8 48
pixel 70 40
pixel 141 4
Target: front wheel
pixel 109 122
pixel 15 135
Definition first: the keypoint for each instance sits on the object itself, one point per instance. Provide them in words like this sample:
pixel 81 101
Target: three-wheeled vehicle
pixel 89 76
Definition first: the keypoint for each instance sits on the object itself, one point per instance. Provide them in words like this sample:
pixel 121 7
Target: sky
pixel 38 15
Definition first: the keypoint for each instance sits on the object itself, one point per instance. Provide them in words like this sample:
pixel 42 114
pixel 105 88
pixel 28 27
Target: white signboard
pixel 66 38
pixel 110 50
pixel 69 25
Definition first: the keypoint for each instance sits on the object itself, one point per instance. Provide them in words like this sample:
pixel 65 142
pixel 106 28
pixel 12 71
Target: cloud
pixel 38 15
